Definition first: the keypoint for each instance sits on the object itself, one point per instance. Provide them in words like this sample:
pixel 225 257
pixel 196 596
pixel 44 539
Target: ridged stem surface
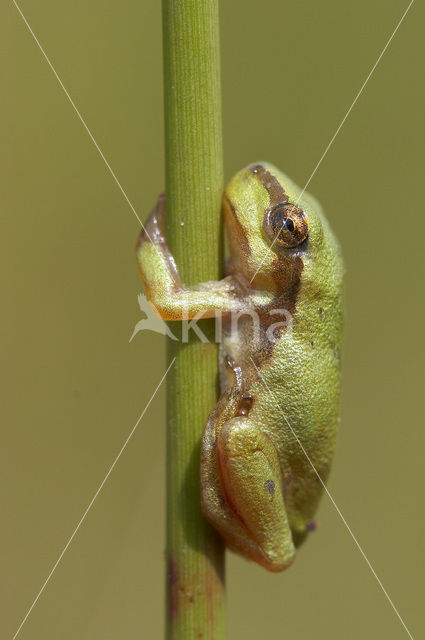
pixel 194 182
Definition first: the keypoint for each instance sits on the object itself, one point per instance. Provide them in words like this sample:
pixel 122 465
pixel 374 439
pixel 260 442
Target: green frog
pixel 267 446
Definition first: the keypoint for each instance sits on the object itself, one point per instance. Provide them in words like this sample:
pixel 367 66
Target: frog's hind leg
pixel 213 502
pixel 241 486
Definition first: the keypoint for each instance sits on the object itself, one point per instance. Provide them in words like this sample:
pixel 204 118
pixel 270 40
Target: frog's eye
pixel 286 225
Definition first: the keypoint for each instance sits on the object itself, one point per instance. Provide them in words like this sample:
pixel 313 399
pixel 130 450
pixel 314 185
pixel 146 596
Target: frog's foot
pixel 244 499
pixel 156 264
pixel 166 292
pixel 154 227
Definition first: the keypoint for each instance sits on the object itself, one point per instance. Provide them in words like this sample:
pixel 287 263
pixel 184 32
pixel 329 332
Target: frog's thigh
pixel 213 502
pixel 250 472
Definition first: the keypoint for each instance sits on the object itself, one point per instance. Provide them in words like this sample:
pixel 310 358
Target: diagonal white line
pixel 341 124
pixel 356 98
pixel 172 362
pixel 92 500
pixel 80 116
pixel 334 504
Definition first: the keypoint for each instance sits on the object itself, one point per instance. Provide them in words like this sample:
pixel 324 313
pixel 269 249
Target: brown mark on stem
pixel 172 581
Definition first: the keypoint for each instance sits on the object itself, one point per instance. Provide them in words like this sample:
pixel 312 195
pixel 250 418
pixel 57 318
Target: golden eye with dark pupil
pixel 286 225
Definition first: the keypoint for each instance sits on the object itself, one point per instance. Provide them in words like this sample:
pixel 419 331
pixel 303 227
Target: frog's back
pixel 302 374
pixel 302 414
pixel 294 381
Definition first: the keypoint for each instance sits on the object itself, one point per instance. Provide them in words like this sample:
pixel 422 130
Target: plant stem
pixel 194 176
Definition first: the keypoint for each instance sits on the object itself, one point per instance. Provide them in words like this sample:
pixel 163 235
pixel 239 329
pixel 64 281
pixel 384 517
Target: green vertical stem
pixel 194 176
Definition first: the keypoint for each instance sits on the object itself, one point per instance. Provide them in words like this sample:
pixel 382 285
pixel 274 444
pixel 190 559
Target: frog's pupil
pixel 288 224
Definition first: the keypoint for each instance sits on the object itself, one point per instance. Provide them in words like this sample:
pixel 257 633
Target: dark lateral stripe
pixel 274 188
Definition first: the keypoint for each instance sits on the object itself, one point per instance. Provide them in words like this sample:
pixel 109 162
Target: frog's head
pixel 275 231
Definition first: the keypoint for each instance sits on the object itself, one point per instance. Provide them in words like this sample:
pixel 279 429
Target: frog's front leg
pixel 241 485
pixel 162 284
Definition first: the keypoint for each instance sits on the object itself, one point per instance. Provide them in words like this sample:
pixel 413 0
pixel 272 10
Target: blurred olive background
pixel 72 385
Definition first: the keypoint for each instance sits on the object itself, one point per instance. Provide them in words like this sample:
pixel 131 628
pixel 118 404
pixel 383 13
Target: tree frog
pixel 268 444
